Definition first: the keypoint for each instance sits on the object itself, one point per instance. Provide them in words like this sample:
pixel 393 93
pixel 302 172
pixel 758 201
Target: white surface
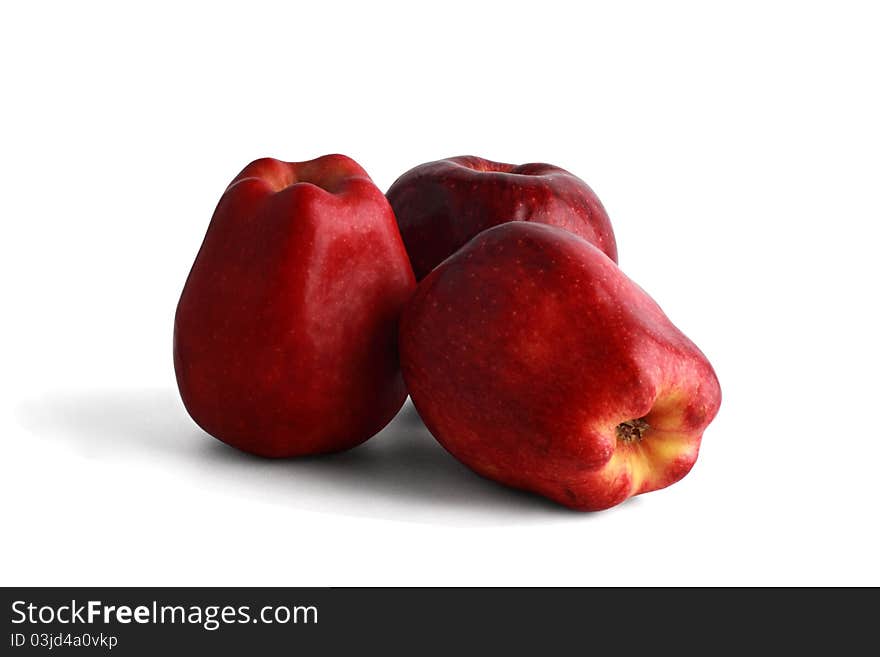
pixel 736 151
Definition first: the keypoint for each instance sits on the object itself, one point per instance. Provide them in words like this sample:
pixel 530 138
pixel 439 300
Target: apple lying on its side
pixel 536 362
pixel 441 205
pixel 285 337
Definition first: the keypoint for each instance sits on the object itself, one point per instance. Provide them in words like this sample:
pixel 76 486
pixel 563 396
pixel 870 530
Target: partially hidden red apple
pixel 536 362
pixel 285 337
pixel 441 205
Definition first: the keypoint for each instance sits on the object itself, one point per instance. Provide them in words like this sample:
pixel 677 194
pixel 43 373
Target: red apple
pixel 441 205
pixel 536 362
pixel 285 336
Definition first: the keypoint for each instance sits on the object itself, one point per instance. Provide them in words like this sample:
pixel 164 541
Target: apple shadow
pixel 402 473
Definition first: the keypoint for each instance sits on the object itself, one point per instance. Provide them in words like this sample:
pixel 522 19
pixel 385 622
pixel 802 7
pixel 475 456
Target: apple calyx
pixel 632 430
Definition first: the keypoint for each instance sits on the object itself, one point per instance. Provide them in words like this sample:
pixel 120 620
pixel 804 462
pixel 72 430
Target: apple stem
pixel 632 430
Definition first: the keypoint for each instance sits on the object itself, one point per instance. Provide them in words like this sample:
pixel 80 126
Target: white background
pixel 736 150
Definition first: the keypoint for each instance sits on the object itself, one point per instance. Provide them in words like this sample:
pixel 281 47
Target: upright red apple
pixel 441 205
pixel 536 362
pixel 285 337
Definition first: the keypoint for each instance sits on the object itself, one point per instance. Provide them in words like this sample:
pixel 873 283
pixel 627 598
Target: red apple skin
pixel 285 336
pixel 526 351
pixel 441 205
